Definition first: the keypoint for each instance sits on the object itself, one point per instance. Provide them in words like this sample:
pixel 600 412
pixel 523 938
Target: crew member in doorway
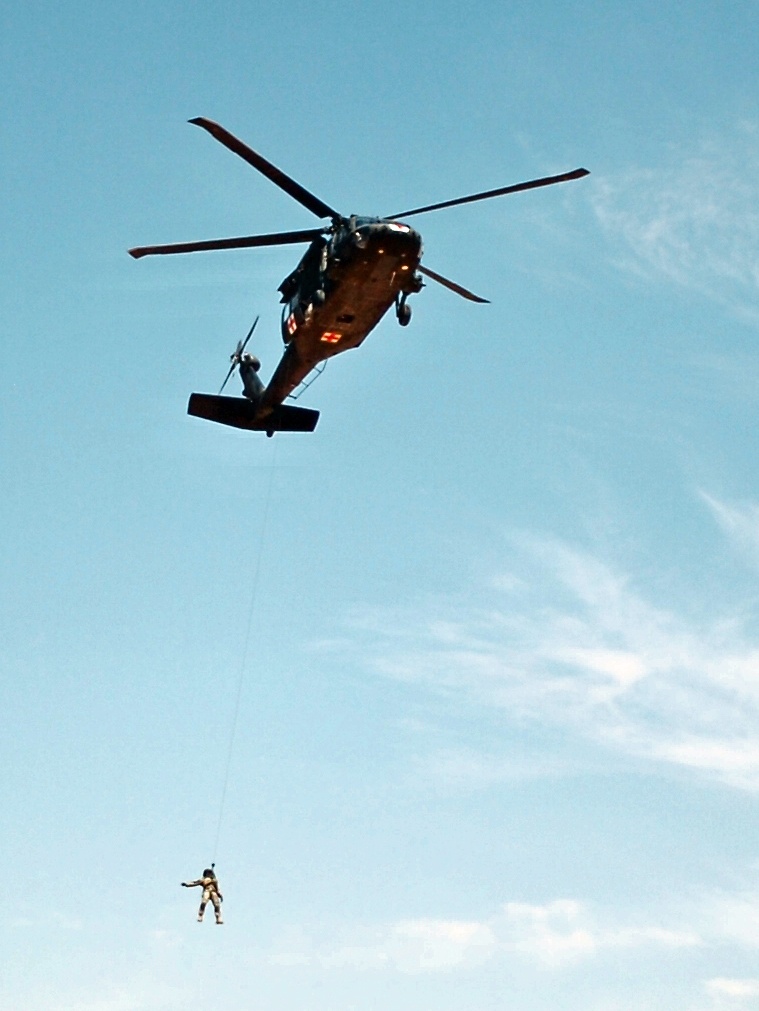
pixel 210 886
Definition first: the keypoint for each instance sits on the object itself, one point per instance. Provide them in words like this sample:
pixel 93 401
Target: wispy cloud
pixel 573 644
pixel 740 523
pixel 734 918
pixel 468 769
pixel 120 1002
pixel 564 930
pixel 544 937
pixel 136 995
pixel 740 988
pixel 694 220
pixel 550 936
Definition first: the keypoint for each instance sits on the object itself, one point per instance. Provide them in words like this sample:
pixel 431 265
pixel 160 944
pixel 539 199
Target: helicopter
pixel 354 270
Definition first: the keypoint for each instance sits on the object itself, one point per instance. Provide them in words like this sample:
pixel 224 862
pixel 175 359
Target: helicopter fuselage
pixel 339 292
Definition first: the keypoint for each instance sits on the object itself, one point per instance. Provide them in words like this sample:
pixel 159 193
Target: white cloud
pixel 409 946
pixel 470 769
pixel 564 931
pixel 740 523
pixel 166 939
pixel 121 1002
pixel 428 945
pixel 735 917
pixel 142 994
pixel 550 936
pixel 581 649
pixel 733 987
pixel 553 934
pixel 695 220
pixel 66 922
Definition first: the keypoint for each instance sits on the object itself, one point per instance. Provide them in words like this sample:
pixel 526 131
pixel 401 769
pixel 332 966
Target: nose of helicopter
pixel 391 237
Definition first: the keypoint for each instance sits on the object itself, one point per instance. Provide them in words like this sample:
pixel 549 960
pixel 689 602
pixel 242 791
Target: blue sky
pixel 498 733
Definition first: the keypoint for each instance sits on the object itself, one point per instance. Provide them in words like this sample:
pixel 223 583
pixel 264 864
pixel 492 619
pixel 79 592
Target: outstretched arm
pixel 191 884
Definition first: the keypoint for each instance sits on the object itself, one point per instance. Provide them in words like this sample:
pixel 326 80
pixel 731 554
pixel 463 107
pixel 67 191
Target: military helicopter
pixel 354 270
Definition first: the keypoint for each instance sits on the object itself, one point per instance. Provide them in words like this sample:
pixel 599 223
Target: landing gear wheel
pixel 404 314
pixel 319 297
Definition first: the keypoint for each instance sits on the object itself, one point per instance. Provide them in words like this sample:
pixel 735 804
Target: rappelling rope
pixel 243 665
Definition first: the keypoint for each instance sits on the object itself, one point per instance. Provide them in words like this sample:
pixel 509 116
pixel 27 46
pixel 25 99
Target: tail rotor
pixel 236 356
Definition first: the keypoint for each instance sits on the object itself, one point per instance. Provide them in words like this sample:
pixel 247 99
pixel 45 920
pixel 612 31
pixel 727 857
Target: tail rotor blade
pixel 232 367
pixel 236 357
pixel 250 334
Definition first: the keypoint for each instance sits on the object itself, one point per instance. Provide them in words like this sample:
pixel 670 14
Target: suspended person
pixel 210 885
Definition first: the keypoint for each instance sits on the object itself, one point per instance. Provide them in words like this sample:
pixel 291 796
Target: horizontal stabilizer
pixel 241 413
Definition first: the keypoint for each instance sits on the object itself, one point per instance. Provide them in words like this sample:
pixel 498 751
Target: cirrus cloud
pixel 551 936
pixel 574 644
pixel 693 221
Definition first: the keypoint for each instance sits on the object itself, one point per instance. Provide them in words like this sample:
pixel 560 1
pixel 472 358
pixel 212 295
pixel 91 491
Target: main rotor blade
pixel 531 185
pixel 464 292
pixel 244 242
pixel 277 176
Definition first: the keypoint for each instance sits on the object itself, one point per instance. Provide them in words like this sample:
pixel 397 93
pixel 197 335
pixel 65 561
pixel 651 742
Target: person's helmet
pixel 208 873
